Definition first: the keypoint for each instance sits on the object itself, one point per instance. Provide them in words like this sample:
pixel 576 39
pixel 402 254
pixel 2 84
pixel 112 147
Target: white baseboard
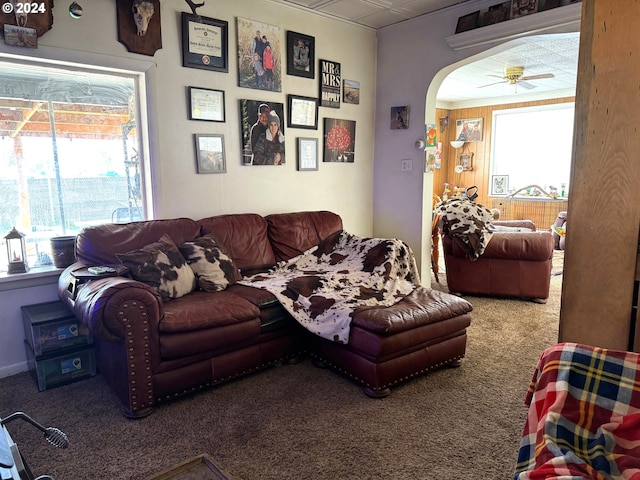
pixel 9 370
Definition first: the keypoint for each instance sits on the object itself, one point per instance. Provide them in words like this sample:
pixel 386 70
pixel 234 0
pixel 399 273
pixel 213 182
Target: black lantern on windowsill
pixel 16 251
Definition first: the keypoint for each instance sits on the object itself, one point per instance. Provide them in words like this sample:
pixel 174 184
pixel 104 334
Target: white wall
pixel 346 189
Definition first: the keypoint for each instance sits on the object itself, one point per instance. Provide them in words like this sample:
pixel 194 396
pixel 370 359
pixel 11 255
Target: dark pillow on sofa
pixel 162 266
pixel 214 269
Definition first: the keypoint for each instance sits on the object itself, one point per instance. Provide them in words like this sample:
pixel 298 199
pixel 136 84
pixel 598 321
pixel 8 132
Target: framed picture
pixel 329 84
pixel 339 140
pixel 399 118
pixel 205 43
pixel 466 161
pixel 497 13
pixel 499 184
pixel 301 55
pixel 520 8
pixel 303 112
pixel 469 130
pixel 262 121
pixel 468 22
pixel 206 104
pixel 351 91
pixel 307 154
pixel 210 156
pixel 259 57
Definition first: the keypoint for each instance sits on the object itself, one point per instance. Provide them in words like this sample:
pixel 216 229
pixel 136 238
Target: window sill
pixel 33 278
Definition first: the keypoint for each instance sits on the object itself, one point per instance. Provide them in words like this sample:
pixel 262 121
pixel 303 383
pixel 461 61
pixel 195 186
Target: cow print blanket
pixel 468 221
pixel 323 287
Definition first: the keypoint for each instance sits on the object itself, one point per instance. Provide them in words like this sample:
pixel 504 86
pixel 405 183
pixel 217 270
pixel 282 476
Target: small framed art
pixel 330 80
pixel 205 43
pixel 399 118
pixel 468 22
pixel 301 55
pixel 303 112
pixel 206 104
pixel 307 154
pixel 499 184
pixel 210 156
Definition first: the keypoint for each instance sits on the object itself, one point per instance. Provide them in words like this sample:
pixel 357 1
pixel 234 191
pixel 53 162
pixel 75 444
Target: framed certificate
pixel 206 104
pixel 303 112
pixel 205 43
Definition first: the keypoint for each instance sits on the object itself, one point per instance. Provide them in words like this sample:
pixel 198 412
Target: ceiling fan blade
pixel 494 83
pixel 496 76
pixel 538 77
pixel 526 85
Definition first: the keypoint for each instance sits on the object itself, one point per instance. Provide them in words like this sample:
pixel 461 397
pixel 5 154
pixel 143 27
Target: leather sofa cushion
pixel 533 246
pixel 244 238
pixel 98 245
pixel 202 310
pixel 291 234
pixel 421 307
pixel 257 296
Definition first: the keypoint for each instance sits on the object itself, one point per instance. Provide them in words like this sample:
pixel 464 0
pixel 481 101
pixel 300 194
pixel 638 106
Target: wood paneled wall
pixel 480 175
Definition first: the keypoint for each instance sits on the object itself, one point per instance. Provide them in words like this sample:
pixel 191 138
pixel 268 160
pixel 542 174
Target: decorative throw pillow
pixel 214 269
pixel 161 265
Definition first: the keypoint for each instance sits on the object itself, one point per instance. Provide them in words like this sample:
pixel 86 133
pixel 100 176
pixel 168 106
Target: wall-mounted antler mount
pixel 193 6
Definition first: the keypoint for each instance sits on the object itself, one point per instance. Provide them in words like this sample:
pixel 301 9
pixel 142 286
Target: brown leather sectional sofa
pixel 150 350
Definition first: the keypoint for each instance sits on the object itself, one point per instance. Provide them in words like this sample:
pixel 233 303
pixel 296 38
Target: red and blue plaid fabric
pixel 584 416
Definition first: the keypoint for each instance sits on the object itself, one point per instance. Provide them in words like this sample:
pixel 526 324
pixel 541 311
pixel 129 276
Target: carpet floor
pixel 301 422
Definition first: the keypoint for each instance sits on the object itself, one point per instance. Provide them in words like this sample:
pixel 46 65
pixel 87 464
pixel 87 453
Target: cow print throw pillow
pixel 162 266
pixel 214 269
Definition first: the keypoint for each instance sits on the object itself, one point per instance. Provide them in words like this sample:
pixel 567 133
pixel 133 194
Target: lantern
pixel 16 251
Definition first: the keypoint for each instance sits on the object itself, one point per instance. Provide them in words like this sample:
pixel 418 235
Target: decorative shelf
pixel 564 19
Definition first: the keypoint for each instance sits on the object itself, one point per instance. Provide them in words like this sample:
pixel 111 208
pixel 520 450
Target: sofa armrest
pixel 515 224
pixel 107 305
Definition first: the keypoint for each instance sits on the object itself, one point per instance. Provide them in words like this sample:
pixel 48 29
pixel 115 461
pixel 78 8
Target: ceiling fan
pixel 514 76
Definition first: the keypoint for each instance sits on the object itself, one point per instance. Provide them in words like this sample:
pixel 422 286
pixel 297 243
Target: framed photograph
pixel 206 104
pixel 303 112
pixel 469 130
pixel 499 184
pixel 330 80
pixel 301 55
pixel 339 140
pixel 205 43
pixel 210 156
pixel 399 118
pixel 259 57
pixel 466 161
pixel 262 122
pixel 520 8
pixel 497 13
pixel 351 91
pixel 20 36
pixel 468 22
pixel 307 154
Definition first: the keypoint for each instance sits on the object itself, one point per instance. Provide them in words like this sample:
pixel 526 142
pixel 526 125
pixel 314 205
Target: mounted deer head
pixel 142 12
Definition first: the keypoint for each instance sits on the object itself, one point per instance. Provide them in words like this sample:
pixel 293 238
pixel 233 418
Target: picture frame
pixel 520 8
pixel 259 55
pixel 254 121
pixel 303 112
pixel 206 104
pixel 205 43
pixel 330 80
pixel 466 161
pixel 210 156
pixel 339 140
pixel 499 184
pixel 351 91
pixel 468 22
pixel 301 55
pixel 307 154
pixel 469 129
pixel 399 118
pixel 497 13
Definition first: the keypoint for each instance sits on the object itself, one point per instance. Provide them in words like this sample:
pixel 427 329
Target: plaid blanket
pixel 323 287
pixel 584 416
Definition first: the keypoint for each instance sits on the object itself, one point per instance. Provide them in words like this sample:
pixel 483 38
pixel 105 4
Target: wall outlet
pixel 407 165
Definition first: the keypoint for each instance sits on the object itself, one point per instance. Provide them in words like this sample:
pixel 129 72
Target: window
pixel 69 147
pixel 533 146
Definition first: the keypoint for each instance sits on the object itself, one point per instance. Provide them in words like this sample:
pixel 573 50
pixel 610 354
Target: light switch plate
pixel 407 165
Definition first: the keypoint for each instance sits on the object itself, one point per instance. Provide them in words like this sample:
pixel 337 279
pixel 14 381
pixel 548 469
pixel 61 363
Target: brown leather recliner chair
pixel 514 264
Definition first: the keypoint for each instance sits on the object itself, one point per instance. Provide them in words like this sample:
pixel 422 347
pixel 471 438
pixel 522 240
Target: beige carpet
pixel 300 422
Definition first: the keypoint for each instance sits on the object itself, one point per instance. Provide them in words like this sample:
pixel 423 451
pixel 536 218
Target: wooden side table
pixel 201 467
